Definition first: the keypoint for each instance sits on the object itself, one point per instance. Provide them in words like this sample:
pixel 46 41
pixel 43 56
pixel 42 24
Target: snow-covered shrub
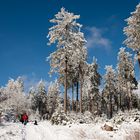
pixel 59 117
pixel 8 115
pixel 35 115
pixel 87 117
pixel 127 116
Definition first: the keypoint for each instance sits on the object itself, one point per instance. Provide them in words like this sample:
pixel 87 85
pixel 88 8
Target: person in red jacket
pixel 25 118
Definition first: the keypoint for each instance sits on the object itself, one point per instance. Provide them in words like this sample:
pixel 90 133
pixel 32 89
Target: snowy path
pixel 43 131
pixel 39 132
pixel 23 133
pixel 46 131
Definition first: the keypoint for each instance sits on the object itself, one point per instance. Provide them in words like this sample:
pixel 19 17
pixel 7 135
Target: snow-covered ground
pixel 45 131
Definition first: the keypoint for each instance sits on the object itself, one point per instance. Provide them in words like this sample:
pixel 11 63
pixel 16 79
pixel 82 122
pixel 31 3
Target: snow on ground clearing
pixel 46 131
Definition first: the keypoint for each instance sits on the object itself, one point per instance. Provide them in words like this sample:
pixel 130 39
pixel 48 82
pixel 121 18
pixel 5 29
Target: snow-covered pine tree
pixel 53 95
pixel 31 100
pixel 41 98
pixel 95 79
pixel 104 102
pixel 109 87
pixel 17 98
pixel 125 77
pixel 92 80
pixel 86 101
pixel 3 96
pixel 20 83
pixel 132 31
pixel 70 41
pixel 59 116
pixel 15 102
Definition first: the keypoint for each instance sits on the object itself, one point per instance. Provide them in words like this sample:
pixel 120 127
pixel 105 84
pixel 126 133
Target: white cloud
pixel 96 39
pixel 32 81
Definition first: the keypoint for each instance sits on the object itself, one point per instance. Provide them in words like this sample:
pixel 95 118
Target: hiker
pixel 19 117
pixel 24 118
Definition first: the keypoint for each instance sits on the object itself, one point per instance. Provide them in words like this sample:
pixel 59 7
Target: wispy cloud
pixel 32 81
pixel 95 38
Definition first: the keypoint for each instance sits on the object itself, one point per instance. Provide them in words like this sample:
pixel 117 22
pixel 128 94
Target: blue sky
pixel 24 26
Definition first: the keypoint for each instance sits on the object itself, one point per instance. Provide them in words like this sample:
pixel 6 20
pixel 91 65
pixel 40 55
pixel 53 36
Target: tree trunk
pixel 117 104
pixel 0 117
pixel 92 106
pixel 65 94
pixel 138 104
pixel 72 97
pixel 128 98
pixel 81 95
pixel 120 100
pixel 97 108
pixel 89 102
pixel 110 106
pixel 77 86
pixel 103 109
